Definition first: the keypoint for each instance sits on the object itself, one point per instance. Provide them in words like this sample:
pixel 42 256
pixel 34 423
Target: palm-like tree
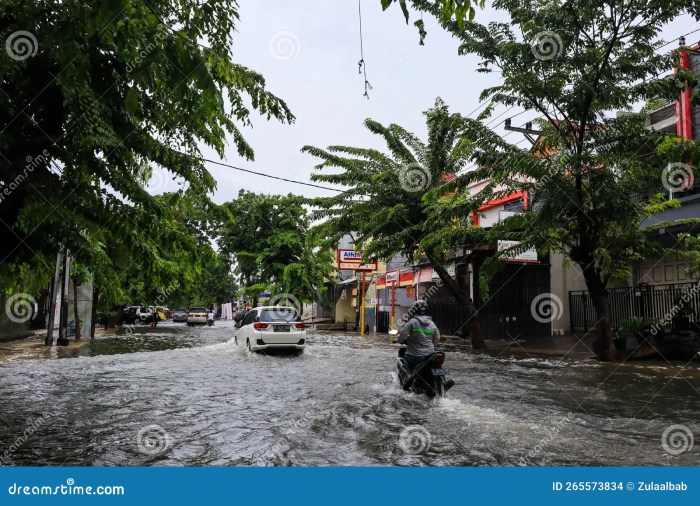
pixel 386 200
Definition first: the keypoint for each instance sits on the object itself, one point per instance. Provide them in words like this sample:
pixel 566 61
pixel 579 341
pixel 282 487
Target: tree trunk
pixel 602 345
pixel 120 314
pixel 76 313
pixel 463 298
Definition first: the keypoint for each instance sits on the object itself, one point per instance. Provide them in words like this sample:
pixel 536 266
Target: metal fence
pixel 649 301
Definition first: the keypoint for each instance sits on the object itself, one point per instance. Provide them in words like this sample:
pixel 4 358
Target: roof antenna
pixel 362 67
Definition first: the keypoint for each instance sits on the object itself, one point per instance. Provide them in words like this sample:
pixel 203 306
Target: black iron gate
pixel 507 310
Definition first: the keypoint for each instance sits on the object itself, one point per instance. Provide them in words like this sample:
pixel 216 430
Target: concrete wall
pixel 84 306
pixel 564 280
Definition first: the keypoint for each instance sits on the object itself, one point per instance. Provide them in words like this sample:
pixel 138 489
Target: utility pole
pixel 63 324
pixel 362 306
pixel 528 131
pixel 48 341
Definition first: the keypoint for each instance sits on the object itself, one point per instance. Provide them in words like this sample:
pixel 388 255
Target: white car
pixel 271 327
pixel 197 316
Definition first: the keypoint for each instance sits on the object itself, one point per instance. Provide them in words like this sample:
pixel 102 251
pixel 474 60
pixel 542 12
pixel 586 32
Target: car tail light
pixel 439 360
pixel 259 325
pixel 299 325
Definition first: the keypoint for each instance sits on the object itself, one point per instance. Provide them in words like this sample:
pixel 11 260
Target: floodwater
pixel 183 396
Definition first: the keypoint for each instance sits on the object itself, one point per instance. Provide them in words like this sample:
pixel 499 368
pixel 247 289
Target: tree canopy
pixel 386 201
pixel 267 240
pixel 574 63
pixel 98 94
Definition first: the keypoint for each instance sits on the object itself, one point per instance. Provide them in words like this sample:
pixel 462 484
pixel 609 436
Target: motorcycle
pixel 428 377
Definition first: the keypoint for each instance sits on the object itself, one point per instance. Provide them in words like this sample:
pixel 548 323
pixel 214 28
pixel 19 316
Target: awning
pixel 340 286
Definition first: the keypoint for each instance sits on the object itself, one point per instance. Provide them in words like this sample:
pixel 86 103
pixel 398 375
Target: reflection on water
pixel 188 396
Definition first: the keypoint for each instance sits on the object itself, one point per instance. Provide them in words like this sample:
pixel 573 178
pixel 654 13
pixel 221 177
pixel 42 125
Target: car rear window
pixel 198 310
pixel 282 314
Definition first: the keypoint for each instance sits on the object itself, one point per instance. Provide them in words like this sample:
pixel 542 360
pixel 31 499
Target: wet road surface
pixel 176 395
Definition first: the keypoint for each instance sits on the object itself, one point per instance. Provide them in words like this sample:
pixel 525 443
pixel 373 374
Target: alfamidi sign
pixel 351 260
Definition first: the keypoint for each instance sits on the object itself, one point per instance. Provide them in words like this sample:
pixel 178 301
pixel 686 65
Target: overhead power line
pixel 215 162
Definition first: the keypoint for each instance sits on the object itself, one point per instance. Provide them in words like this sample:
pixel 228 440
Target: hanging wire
pixel 362 67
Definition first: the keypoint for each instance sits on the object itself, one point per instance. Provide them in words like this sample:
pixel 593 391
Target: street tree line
pixel 113 90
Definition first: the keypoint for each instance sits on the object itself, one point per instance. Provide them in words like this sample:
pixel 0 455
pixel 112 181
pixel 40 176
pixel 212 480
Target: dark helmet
pixel 419 308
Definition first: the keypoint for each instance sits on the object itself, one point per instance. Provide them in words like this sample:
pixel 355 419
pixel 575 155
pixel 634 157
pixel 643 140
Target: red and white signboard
pixel 392 278
pixel 351 260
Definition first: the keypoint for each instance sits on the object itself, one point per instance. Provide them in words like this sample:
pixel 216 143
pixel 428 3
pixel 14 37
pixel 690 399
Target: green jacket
pixel 421 336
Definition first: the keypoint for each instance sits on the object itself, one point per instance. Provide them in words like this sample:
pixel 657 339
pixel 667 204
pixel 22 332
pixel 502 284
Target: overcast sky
pixel 308 51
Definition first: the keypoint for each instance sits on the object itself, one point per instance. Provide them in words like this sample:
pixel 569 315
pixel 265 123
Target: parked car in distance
pixel 179 315
pixel 272 327
pixel 145 314
pixel 130 315
pixel 197 316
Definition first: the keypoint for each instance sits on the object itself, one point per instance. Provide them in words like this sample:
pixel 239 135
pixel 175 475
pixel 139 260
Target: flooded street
pixel 189 396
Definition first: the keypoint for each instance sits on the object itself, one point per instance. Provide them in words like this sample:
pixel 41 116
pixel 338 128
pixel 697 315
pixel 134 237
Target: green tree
pixel 576 61
pixel 97 95
pixel 457 10
pixel 385 204
pixel 267 241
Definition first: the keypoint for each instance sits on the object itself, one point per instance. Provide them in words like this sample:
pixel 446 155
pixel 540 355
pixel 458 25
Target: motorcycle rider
pixel 420 334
